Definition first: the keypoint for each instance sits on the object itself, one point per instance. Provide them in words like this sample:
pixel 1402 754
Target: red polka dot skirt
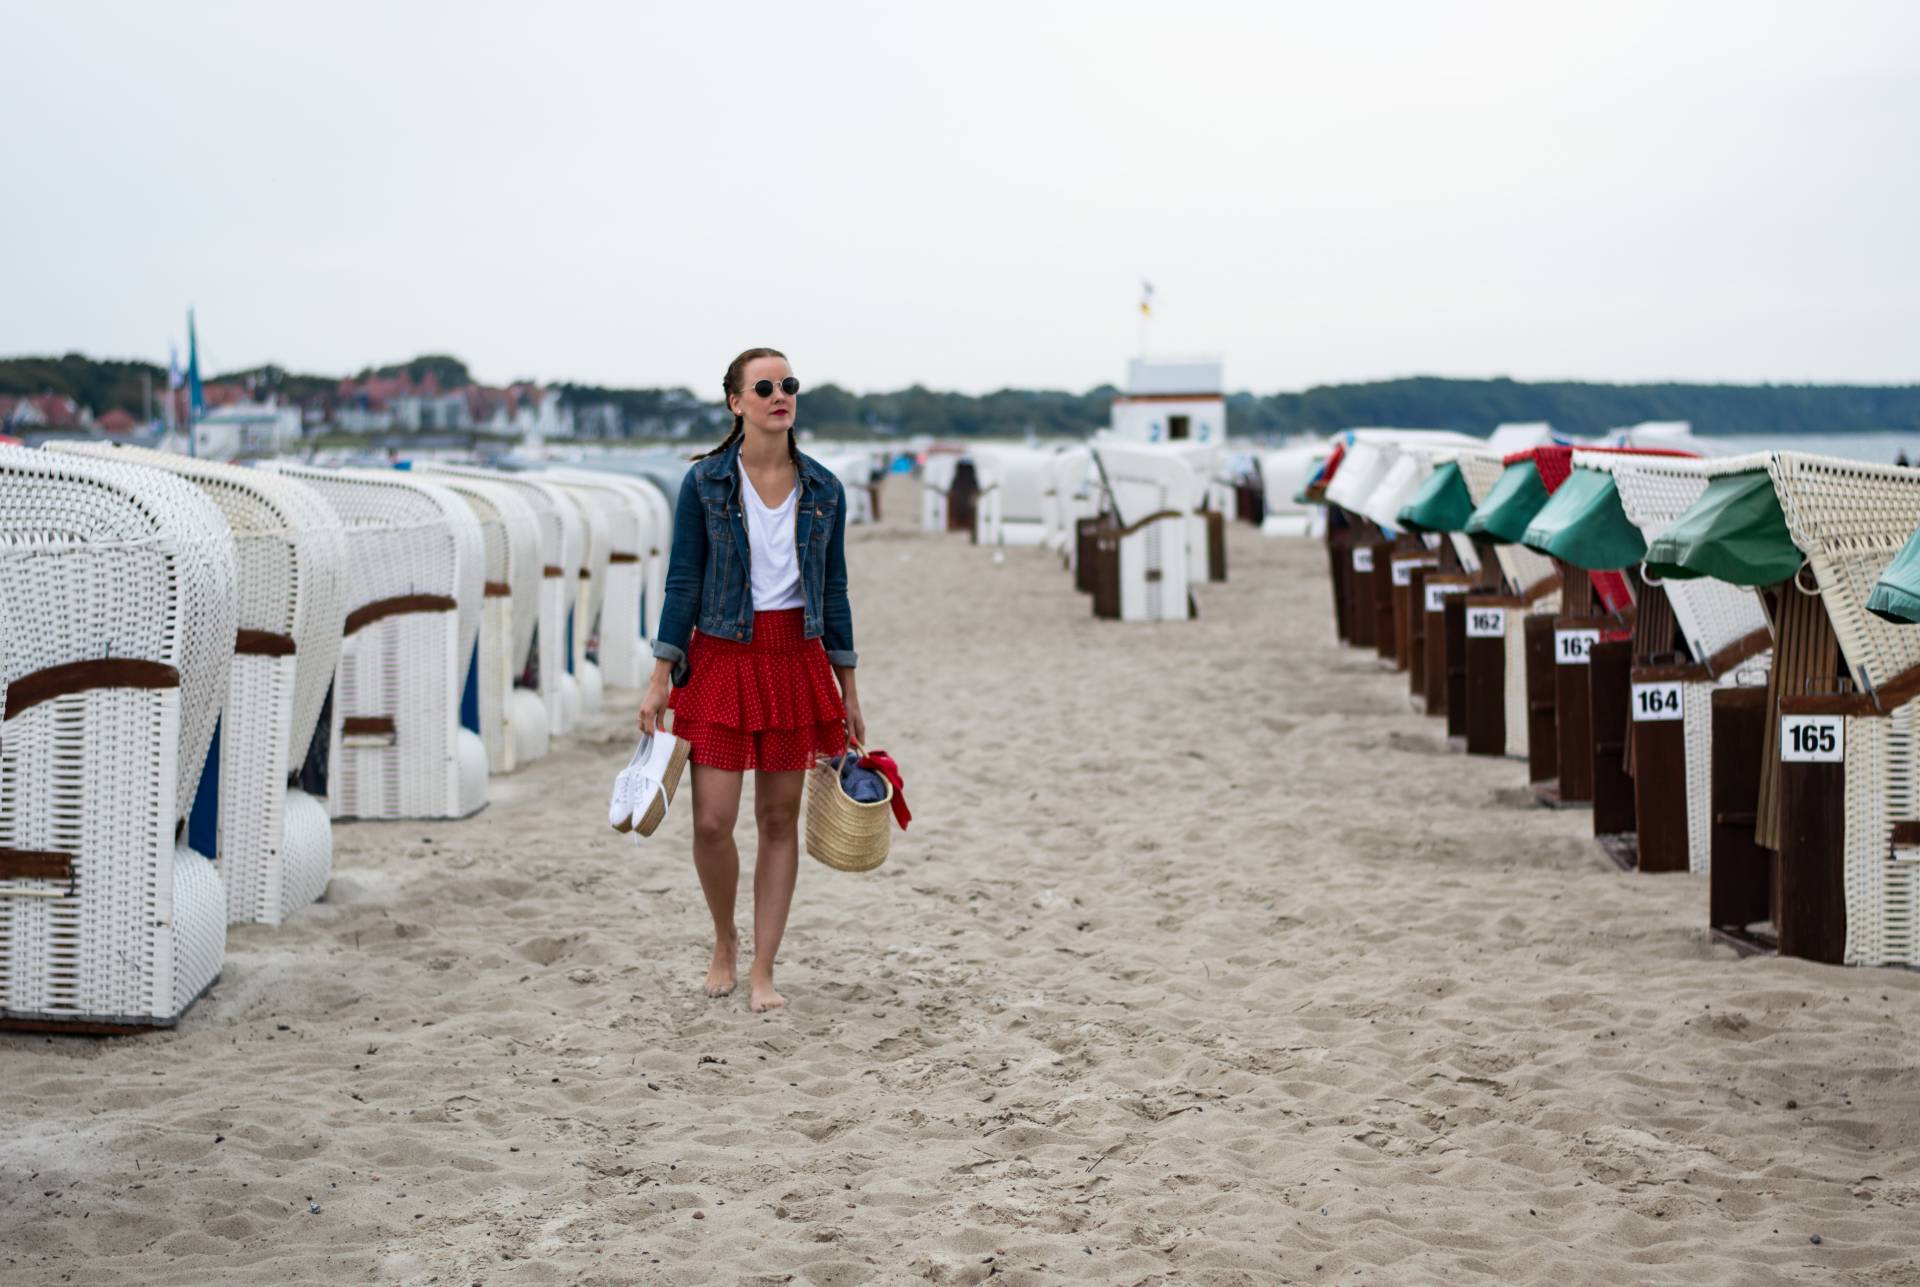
pixel 770 703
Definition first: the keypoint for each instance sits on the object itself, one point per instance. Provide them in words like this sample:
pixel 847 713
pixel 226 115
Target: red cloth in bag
pixel 882 763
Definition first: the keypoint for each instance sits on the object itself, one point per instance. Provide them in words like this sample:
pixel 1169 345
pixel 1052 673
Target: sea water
pixel 1877 448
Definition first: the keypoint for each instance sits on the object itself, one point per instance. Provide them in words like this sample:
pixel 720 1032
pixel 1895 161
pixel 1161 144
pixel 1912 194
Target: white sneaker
pixel 643 793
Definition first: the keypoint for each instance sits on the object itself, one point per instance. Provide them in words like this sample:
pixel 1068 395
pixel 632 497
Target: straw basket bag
pixel 843 833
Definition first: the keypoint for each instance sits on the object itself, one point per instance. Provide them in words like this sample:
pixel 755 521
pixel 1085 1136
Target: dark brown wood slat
pixel 35 864
pixel 1415 649
pixel 1543 749
pixel 1407 603
pixel 1453 663
pixel 1609 716
pixel 1747 646
pixel 1812 917
pixel 262 643
pixel 1655 632
pixel 1660 786
pixel 1386 638
pixel 30 690
pixel 1806 659
pixel 1573 719
pixel 1740 886
pixel 1485 701
pixel 399 606
pixel 1365 618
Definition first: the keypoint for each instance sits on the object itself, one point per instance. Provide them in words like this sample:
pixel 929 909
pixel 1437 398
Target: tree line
pixel 1422 402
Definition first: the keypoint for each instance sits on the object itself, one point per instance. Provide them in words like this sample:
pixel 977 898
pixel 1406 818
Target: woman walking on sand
pixel 754 631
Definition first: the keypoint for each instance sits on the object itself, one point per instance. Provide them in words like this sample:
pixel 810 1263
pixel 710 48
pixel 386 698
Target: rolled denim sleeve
pixel 836 613
pixel 686 570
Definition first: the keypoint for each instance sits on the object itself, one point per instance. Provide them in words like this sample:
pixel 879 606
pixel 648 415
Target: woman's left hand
pixel 856 722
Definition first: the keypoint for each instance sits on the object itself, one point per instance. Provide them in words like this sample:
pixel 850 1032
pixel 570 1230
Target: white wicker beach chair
pixel 589 589
pixel 1153 490
pixel 1066 497
pixel 654 549
pixel 1530 586
pixel 562 541
pixel 273 843
pixel 936 479
pixel 1013 481
pixel 615 621
pixel 118 586
pixel 416 559
pixel 1724 625
pixel 854 469
pixel 512 720
pixel 1850 519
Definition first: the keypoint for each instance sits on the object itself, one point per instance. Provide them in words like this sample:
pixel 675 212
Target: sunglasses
pixel 788 386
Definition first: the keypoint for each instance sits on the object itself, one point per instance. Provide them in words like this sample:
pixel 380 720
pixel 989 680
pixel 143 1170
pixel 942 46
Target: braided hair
pixel 735 383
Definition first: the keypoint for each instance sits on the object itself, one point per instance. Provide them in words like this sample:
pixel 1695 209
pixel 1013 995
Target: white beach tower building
pixel 1172 400
pixel 1181 403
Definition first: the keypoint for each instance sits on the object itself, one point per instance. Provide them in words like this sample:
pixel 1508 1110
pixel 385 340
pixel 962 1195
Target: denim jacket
pixel 709 576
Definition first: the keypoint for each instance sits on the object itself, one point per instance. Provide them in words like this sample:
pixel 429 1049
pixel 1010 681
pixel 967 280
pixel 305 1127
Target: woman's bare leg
pixel 776 808
pixel 716 806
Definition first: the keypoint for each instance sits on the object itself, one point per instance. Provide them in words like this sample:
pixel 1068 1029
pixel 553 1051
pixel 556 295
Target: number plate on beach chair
pixel 1653 703
pixel 1813 739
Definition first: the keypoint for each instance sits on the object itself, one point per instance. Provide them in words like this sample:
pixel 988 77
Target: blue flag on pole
pixel 196 397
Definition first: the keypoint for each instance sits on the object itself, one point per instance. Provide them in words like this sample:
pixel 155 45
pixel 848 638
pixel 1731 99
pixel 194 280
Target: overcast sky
pixel 968 195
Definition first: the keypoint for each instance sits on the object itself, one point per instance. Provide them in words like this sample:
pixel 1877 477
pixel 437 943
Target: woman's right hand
pixel 653 706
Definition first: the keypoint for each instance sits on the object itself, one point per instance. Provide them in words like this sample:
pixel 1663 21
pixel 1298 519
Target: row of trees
pixel 1426 402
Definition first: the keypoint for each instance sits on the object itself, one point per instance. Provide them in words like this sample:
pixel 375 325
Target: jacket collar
pixel 725 468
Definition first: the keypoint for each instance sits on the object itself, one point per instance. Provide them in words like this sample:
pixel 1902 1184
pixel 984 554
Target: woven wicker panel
pixel 99 560
pixel 514 539
pixel 406 536
pixel 1656 490
pixel 163 530
pixel 291 582
pixel 1361 470
pixel 615 608
pixel 1480 470
pixel 1850 519
pixel 1397 486
pixel 1882 887
pixel 291 555
pixel 507 622
pixel 560 549
pixel 657 543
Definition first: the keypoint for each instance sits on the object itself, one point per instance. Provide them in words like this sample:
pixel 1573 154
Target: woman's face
pixel 774 413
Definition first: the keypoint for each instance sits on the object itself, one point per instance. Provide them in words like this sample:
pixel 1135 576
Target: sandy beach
pixel 1203 962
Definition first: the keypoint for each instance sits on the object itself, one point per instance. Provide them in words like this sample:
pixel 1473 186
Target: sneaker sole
pixel 669 783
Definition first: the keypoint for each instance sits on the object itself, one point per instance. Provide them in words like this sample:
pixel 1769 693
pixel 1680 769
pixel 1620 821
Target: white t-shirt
pixel 770 536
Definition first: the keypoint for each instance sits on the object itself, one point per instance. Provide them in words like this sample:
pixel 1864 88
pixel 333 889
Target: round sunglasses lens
pixel 764 388
pixel 790 386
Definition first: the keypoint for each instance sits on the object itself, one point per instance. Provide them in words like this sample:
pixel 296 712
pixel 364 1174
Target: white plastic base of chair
pixel 199 927
pixel 471 753
pixel 527 726
pixel 569 705
pixel 593 688
pixel 306 853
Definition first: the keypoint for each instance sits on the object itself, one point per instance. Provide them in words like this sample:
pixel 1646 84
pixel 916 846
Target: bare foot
pixel 722 975
pixel 761 996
